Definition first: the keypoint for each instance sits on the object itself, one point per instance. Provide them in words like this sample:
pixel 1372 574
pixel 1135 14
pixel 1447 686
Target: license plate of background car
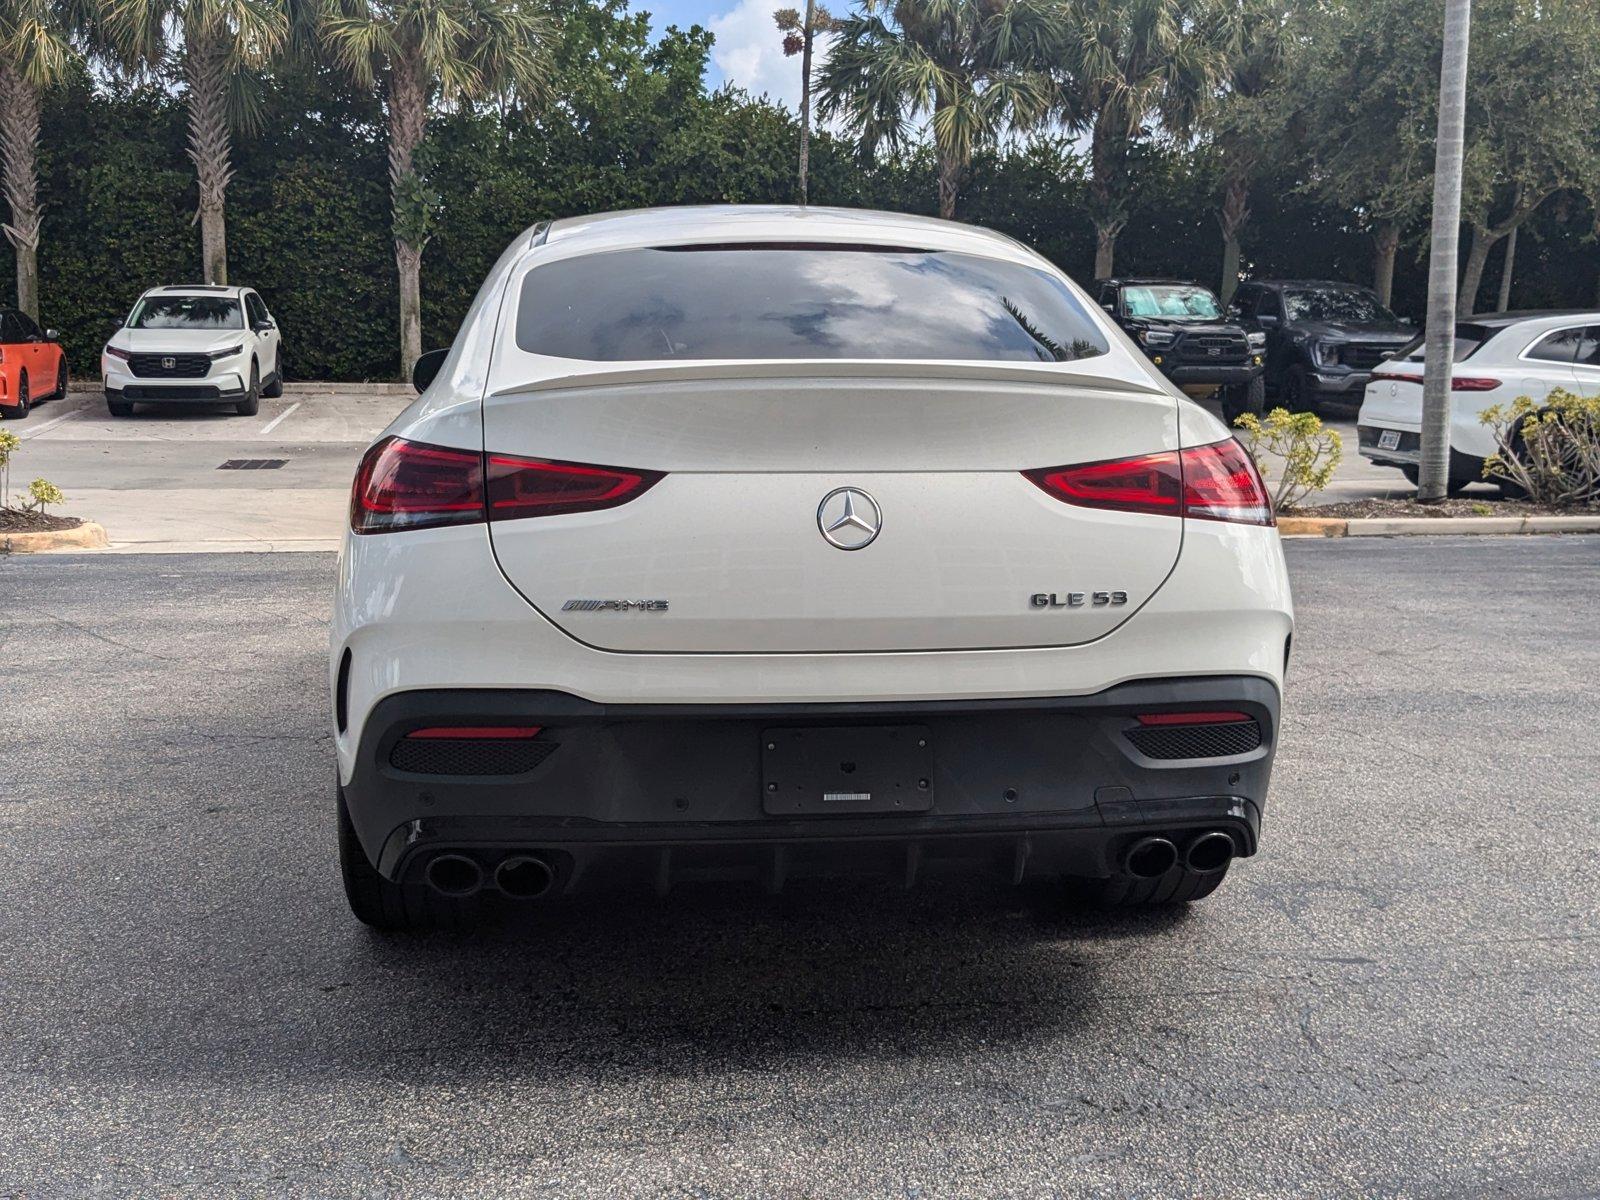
pixel 1389 439
pixel 846 769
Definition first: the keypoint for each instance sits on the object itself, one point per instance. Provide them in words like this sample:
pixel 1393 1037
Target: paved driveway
pixel 1400 997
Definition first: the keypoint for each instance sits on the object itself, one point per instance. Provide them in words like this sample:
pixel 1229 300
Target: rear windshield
pixel 186 312
pixel 800 301
pixel 1468 339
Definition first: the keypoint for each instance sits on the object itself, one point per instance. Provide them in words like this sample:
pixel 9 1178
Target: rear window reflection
pixel 800 301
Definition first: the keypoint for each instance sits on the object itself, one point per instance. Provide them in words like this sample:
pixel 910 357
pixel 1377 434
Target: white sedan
pixel 1498 358
pixel 767 542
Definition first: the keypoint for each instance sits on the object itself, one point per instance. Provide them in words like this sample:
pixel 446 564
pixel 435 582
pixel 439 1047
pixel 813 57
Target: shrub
pixel 1550 451
pixel 42 492
pixel 8 445
pixel 1307 452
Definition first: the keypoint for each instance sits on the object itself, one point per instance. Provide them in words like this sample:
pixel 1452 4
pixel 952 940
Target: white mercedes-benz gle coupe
pixel 772 542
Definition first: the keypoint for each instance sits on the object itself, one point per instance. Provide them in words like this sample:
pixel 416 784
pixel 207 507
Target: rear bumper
pixel 1035 787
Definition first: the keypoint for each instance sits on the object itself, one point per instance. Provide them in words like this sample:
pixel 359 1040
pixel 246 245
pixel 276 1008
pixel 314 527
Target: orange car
pixel 33 366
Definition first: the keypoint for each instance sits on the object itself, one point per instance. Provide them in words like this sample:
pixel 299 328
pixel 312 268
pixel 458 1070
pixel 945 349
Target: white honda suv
pixel 773 542
pixel 194 344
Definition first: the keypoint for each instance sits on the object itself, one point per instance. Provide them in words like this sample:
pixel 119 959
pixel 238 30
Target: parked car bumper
pixel 1035 786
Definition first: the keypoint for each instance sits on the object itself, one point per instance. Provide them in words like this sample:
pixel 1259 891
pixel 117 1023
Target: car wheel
pixel 1178 886
pixel 61 380
pixel 1244 398
pixel 1294 392
pixel 384 904
pixel 119 408
pixel 1412 473
pixel 275 389
pixel 251 404
pixel 15 412
pixel 1464 469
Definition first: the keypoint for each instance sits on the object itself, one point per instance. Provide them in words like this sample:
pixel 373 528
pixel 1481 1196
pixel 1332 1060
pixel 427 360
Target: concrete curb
pixel 1332 527
pixel 87 536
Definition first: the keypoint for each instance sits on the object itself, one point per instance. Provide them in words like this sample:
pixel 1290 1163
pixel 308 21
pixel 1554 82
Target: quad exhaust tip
pixel 454 875
pixel 1150 858
pixel 524 876
pixel 1210 851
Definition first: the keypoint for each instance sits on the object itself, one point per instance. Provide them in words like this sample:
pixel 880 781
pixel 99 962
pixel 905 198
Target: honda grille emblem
pixel 849 518
pixel 168 363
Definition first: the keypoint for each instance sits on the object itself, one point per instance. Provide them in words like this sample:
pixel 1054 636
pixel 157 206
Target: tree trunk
pixel 1235 212
pixel 1385 245
pixel 1483 241
pixel 408 123
pixel 19 180
pixel 808 35
pixel 1105 248
pixel 1505 271
pixel 210 148
pixel 1434 460
pixel 1104 209
pixel 949 182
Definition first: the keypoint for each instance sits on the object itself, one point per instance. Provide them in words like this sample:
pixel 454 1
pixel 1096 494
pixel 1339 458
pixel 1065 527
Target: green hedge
pixel 308 209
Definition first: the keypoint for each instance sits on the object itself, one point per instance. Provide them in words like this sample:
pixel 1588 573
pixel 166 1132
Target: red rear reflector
pixel 1194 718
pixel 536 487
pixel 1218 482
pixel 409 485
pixel 477 733
pixel 1460 383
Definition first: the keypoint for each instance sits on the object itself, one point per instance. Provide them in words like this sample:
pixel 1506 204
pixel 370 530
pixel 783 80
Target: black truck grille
pixel 1363 357
pixel 170 366
pixel 1214 347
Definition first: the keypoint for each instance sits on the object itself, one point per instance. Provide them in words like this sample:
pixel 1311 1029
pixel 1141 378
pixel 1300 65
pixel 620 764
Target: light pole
pixel 1434 469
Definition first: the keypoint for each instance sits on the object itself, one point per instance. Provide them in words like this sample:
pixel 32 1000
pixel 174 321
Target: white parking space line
pixel 33 431
pixel 278 420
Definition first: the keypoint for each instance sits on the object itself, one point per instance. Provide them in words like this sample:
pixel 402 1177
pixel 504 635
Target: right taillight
pixel 1218 482
pixel 411 485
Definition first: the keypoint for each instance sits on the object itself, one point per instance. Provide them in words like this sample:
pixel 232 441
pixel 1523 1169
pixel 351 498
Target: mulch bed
pixel 1463 506
pixel 14 520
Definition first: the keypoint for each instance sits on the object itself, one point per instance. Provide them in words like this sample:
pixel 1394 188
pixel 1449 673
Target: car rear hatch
pixel 726 549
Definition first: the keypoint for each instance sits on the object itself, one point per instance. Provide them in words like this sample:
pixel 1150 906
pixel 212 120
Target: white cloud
pixel 749 51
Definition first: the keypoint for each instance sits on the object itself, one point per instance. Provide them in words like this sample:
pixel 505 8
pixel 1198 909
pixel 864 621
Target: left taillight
pixel 1218 482
pixel 411 485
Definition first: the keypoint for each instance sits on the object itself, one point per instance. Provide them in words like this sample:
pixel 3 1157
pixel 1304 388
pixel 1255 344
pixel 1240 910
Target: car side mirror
pixel 263 326
pixel 52 335
pixel 427 368
pixel 1110 308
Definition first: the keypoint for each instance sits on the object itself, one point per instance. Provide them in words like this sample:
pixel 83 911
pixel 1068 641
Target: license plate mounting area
pixel 821 771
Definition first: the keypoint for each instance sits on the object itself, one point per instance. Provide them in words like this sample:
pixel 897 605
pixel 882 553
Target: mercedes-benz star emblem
pixel 849 518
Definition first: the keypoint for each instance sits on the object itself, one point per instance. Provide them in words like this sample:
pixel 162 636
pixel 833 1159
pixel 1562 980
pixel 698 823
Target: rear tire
pixel 61 381
pixel 1244 398
pixel 384 904
pixel 1464 469
pixel 1178 886
pixel 1293 391
pixel 15 412
pixel 251 404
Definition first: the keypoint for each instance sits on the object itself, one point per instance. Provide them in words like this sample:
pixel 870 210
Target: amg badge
pixel 614 606
pixel 1076 599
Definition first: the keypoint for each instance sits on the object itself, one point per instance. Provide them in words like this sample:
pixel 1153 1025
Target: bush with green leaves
pixel 1292 448
pixel 1549 450
pixel 41 494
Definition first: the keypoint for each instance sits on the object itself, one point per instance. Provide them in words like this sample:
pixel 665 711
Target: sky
pixel 748 49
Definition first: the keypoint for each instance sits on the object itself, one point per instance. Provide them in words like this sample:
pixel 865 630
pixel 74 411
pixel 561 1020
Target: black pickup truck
pixel 1182 329
pixel 1322 338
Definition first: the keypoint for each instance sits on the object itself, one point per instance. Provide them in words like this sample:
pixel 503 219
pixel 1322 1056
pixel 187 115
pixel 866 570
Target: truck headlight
pixel 1256 338
pixel 1327 356
pixel 1156 337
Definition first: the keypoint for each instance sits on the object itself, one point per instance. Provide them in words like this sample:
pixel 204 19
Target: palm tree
pixel 799 37
pixel 36 51
pixel 1122 63
pixel 421 52
pixel 1434 467
pixel 975 68
pixel 217 43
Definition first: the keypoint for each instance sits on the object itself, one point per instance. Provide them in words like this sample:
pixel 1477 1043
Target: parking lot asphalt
pixel 1399 997
pixel 156 482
